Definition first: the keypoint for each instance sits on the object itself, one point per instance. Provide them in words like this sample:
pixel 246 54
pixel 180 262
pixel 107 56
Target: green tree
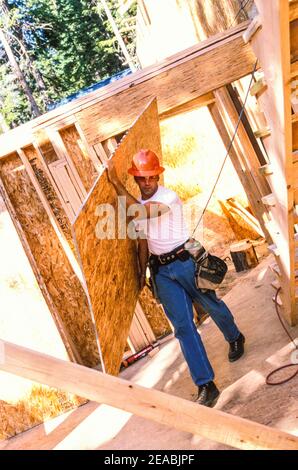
pixel 62 46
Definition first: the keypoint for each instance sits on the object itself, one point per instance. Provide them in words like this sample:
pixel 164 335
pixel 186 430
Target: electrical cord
pixel 273 372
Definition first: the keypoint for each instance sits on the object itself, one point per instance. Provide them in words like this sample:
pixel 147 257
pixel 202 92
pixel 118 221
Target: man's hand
pixel 111 171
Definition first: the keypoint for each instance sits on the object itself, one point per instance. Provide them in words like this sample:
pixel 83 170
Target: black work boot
pixel 237 348
pixel 207 394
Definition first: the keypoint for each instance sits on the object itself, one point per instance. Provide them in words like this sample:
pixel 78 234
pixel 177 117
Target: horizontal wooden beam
pixel 147 403
pixel 175 81
pixel 203 100
pixel 190 78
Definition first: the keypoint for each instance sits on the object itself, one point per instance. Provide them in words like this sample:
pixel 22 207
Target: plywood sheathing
pixel 63 286
pixel 110 265
pixel 239 226
pixel 154 314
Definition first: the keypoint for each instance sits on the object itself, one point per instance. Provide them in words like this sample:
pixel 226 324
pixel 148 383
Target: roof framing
pixel 175 81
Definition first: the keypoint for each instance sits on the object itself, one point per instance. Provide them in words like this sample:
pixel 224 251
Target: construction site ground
pixel 243 387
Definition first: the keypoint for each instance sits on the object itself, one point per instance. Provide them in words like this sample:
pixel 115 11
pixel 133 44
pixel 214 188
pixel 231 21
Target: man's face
pixel 148 185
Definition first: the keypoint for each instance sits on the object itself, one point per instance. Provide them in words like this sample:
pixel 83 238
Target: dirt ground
pixel 242 384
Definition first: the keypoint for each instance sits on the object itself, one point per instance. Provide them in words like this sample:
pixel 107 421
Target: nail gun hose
pixel 273 372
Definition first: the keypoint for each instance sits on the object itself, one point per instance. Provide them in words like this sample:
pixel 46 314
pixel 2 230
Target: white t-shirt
pixel 166 232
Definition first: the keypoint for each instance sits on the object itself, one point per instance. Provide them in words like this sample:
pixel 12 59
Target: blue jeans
pixel 176 289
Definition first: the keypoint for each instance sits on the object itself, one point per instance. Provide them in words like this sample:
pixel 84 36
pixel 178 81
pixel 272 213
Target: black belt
pixel 166 258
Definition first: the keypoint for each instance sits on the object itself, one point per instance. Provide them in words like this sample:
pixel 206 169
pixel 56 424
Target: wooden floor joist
pixel 150 404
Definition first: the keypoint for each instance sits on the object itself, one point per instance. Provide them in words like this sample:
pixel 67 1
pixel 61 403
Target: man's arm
pixel 153 209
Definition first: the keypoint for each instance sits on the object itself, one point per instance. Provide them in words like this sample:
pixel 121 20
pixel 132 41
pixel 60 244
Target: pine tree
pixel 61 46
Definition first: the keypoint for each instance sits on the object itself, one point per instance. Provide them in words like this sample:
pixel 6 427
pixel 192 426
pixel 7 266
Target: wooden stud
pixel 272 45
pixel 294 69
pixel 254 26
pixel 293 10
pixel 266 170
pixel 243 142
pixel 148 403
pixel 225 129
pixel 294 40
pixel 262 133
pixel 269 200
pixel 63 154
pixel 101 153
pixel 199 102
pixel 88 148
pixel 258 87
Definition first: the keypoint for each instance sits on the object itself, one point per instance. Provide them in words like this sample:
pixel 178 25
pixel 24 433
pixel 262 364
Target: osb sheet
pixel 82 161
pixel 62 284
pixel 110 266
pixel 50 193
pixel 154 314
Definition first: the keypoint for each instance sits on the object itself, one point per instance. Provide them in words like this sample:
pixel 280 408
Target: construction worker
pixel 175 270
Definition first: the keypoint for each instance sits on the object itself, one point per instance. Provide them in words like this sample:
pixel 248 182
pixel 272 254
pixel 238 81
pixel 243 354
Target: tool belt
pixel 166 258
pixel 209 269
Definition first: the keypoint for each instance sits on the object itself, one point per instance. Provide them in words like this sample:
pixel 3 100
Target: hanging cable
pixel 239 11
pixel 286 366
pixel 229 148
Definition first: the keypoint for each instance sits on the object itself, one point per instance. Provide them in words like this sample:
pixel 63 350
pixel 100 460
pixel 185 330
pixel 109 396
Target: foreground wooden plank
pixel 110 264
pixel 150 404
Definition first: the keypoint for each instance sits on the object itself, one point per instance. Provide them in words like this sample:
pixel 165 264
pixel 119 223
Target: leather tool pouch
pixel 210 272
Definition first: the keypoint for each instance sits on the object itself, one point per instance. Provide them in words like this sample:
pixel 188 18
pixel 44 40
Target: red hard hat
pixel 145 163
